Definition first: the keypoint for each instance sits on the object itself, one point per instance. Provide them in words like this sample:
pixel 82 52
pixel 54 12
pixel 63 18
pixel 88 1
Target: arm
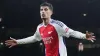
pixel 63 30
pixel 13 42
pixel 31 39
pixel 66 31
pixel 76 34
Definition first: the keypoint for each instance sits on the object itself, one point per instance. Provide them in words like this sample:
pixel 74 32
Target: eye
pixel 45 9
pixel 41 9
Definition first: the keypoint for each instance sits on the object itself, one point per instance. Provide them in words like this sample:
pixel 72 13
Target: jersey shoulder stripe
pixel 57 22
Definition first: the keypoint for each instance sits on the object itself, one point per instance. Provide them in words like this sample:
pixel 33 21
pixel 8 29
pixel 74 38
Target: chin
pixel 44 18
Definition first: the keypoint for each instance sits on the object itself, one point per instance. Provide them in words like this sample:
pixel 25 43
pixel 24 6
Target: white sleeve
pixel 66 31
pixel 31 39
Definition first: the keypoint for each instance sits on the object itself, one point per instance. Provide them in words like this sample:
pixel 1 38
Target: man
pixel 51 32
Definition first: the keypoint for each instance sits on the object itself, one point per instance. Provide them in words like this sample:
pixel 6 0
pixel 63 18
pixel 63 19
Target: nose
pixel 43 11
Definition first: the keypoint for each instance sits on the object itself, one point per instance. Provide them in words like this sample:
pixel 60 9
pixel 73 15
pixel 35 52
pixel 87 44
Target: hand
pixel 12 42
pixel 89 36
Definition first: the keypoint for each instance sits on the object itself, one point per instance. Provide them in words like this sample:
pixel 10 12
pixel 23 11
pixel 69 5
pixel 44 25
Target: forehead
pixel 44 7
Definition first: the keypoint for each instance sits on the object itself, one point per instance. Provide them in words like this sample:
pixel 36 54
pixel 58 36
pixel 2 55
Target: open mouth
pixel 43 15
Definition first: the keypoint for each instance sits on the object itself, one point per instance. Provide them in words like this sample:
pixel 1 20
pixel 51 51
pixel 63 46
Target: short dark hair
pixel 47 4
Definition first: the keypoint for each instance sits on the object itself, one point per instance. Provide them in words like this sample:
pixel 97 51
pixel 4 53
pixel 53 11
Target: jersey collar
pixel 48 23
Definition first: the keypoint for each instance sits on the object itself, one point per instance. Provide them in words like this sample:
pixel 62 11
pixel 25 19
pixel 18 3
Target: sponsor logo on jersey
pixel 47 40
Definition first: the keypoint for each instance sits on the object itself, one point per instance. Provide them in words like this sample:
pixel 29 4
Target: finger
pixel 12 38
pixel 91 40
pixel 8 41
pixel 93 37
pixel 10 46
pixel 7 44
pixel 92 34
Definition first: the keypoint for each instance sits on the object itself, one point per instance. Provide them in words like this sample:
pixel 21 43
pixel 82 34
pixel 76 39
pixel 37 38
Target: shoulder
pixel 59 23
pixel 39 25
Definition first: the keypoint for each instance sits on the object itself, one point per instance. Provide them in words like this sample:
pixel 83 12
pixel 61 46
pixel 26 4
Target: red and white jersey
pixel 52 36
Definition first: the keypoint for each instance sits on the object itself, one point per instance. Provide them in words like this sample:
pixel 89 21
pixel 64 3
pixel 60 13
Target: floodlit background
pixel 19 19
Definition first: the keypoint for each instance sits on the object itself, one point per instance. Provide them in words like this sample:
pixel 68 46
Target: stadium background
pixel 19 19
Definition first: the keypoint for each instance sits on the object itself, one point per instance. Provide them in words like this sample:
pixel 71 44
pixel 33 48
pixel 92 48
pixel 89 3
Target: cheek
pixel 50 14
pixel 40 12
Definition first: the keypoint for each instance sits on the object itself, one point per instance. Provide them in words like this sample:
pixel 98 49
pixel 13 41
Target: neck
pixel 46 21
